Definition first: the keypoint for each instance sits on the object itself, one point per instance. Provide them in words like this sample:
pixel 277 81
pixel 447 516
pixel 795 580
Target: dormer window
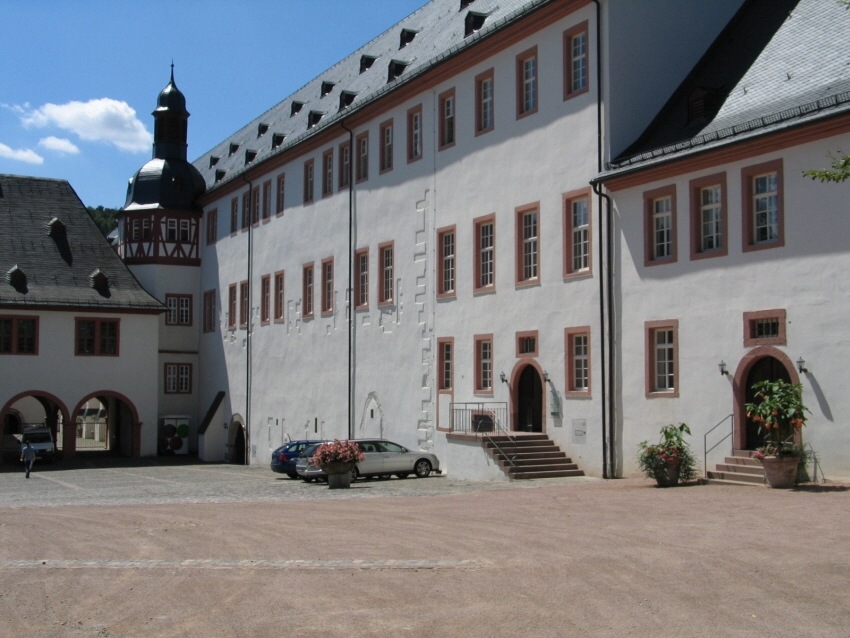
pixel 703 103
pixel 219 175
pixel 16 278
pixel 396 68
pixel 327 87
pixel 465 3
pixel 56 228
pixel 296 108
pixel 250 156
pixel 262 129
pixel 406 37
pixel 366 62
pixel 277 139
pixel 98 280
pixel 313 118
pixel 213 160
pixel 346 98
pixel 473 22
pixel 233 148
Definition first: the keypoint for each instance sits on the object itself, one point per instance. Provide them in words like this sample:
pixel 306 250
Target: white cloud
pixel 21 155
pixel 60 145
pixel 103 120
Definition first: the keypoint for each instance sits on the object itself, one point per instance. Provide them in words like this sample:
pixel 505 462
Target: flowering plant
pixel 671 448
pixel 337 452
pixel 780 414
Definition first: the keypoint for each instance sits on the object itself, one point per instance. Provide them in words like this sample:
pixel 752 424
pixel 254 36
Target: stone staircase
pixel 534 456
pixel 739 469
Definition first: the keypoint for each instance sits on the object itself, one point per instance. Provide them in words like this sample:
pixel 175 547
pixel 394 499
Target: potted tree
pixel 779 411
pixel 670 460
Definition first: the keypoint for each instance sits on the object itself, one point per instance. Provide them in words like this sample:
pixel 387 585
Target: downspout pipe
pixel 248 333
pixel 605 275
pixel 350 279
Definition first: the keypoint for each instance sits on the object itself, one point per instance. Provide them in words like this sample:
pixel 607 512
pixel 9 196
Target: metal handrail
pixel 510 459
pixel 707 449
pixel 815 463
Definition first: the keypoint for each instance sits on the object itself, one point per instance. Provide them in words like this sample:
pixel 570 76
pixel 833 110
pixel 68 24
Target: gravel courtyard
pixel 225 551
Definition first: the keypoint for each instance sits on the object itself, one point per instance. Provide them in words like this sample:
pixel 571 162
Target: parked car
pixel 41 440
pixel 284 457
pixel 382 459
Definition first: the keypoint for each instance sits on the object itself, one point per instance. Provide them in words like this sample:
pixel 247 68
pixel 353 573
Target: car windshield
pixel 37 438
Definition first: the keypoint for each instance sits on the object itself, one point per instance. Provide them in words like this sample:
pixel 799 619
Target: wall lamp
pixel 801 366
pixel 545 377
pixel 722 367
pixel 503 377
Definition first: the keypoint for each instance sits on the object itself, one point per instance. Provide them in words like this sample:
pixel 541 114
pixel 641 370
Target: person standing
pixel 28 456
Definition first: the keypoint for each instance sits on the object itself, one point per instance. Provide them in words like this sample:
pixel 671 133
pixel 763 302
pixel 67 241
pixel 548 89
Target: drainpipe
pixel 606 280
pixel 351 155
pixel 248 346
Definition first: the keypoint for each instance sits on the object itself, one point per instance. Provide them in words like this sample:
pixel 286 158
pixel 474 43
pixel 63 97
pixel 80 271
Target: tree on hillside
pixel 105 218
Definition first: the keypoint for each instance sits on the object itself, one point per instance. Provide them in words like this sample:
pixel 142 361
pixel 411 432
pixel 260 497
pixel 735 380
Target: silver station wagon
pixel 382 459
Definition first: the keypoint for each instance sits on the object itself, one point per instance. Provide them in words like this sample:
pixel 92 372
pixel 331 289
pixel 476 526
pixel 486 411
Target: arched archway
pixel 760 364
pixel 50 412
pixel 237 442
pixel 124 430
pixel 527 398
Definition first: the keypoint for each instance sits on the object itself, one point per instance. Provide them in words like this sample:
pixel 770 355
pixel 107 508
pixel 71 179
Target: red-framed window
pixel 361 278
pixel 577 350
pixel 527 245
pixel 385 157
pixel 662 358
pixel 18 335
pixel 576 61
pixel 386 283
pixel 244 304
pixel 361 143
pixel 577 233
pixel 267 199
pixel 212 226
pixel 414 133
pixel 265 298
pixel 485 253
pixel 660 227
pixel 485 102
pixel 307 290
pixel 209 311
pixel 344 165
pixel 308 181
pixel 765 328
pixel 178 378
pixel 96 337
pixel 527 343
pixel 328 172
pixel 279 299
pixel 231 306
pixel 484 364
pixel 281 193
pixel 179 310
pixel 527 74
pixel 445 364
pixel 709 218
pixel 447 119
pixel 447 261
pixel 763 204
pixel 327 285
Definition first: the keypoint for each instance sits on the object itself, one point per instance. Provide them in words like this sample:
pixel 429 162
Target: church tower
pixel 158 239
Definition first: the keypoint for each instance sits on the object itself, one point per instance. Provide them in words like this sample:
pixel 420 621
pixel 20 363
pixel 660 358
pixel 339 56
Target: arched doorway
pixel 761 364
pixel 27 409
pixel 117 432
pixel 237 447
pixel 529 401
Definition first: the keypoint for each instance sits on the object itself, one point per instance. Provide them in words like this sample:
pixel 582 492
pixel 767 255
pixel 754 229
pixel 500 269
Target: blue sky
pixel 80 78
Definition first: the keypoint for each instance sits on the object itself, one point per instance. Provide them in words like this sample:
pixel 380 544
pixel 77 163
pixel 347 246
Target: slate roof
pixel 778 64
pixel 53 254
pixel 439 32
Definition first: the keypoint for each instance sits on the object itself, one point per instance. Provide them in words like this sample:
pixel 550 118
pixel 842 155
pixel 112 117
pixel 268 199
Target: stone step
pixel 738 477
pixel 524 463
pixel 742 460
pixel 716 481
pixel 525 474
pixel 740 469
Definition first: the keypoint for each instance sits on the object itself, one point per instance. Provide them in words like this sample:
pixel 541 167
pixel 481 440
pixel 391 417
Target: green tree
pixel 105 218
pixel 838 172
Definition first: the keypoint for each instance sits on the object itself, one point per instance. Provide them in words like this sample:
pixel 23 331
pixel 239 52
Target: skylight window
pixel 233 148
pixel 277 139
pixel 262 129
pixel 213 160
pixel 219 175
pixel 313 118
pixel 250 156
pixel 327 87
pixel 473 22
pixel 346 98
pixel 296 108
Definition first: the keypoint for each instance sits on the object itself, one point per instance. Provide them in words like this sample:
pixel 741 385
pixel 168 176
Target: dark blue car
pixel 283 458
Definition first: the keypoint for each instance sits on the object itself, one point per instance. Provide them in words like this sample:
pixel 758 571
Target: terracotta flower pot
pixel 780 471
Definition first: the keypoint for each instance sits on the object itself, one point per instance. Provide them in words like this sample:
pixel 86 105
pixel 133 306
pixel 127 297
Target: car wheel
pixel 403 474
pixel 354 474
pixel 384 477
pixel 422 468
pixel 292 475
pixel 306 479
